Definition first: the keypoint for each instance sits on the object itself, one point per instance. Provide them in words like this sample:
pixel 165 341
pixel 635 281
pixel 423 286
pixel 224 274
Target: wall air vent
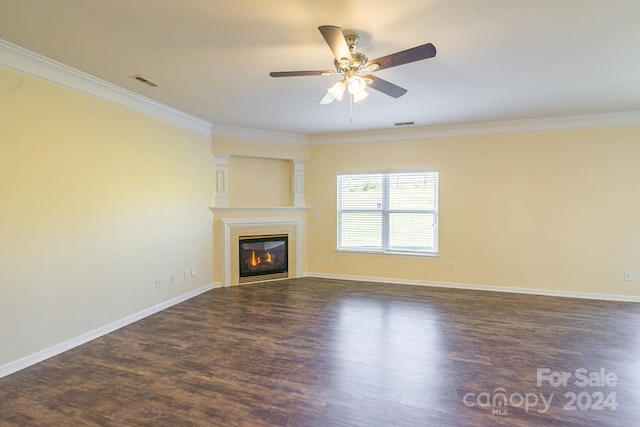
pixel 404 123
pixel 144 80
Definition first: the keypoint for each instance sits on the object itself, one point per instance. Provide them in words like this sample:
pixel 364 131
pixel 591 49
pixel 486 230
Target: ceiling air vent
pixel 404 123
pixel 144 80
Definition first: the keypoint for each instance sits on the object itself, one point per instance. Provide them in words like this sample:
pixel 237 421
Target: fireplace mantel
pixel 232 228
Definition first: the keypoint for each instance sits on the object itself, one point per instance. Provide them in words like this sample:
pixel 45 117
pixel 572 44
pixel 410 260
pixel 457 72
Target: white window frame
pixel 385 212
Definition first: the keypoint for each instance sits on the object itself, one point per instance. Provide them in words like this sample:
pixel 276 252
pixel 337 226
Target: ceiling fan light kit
pixel 350 65
pixel 359 96
pixel 337 90
pixel 356 84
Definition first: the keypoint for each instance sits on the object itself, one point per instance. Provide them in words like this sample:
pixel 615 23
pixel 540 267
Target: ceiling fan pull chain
pixel 350 108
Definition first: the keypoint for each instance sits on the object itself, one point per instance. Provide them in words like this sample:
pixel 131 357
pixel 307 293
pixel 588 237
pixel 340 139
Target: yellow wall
pixel 258 149
pixel 553 211
pixel 259 182
pixel 96 201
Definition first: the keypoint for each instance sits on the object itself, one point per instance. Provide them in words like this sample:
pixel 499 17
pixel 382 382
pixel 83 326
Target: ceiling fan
pixel 354 67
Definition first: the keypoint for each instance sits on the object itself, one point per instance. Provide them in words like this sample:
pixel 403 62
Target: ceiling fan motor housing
pixel 358 63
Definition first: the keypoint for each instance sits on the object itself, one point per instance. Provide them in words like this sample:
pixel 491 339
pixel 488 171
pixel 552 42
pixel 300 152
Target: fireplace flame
pixel 255 260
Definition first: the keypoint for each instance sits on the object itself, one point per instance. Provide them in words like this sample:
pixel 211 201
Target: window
pixel 388 213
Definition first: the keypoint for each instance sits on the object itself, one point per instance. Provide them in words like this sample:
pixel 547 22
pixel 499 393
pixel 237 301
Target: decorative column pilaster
pixel 297 183
pixel 221 196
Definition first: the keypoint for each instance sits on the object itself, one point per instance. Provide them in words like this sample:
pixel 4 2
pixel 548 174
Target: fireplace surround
pixel 233 229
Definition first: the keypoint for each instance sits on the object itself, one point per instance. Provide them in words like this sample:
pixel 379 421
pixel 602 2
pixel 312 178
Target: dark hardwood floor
pixel 317 352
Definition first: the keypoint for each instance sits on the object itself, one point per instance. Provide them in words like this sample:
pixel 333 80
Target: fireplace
pixel 235 229
pixel 263 257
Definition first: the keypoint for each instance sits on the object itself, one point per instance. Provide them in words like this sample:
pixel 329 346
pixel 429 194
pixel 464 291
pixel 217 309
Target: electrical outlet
pixel 628 276
pixel 186 274
pixel 173 277
pixel 452 266
pixel 329 259
pixel 193 272
pixel 158 283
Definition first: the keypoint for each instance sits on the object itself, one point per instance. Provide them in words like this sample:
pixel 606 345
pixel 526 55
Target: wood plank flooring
pixel 318 352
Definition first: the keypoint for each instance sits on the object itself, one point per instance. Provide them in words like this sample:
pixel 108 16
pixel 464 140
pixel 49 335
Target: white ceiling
pixel 497 60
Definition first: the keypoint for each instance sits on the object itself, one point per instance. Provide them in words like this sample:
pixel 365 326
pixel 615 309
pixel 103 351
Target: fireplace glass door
pixel 263 256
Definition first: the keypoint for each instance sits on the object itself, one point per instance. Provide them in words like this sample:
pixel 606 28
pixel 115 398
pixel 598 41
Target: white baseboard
pixel 474 287
pixel 49 352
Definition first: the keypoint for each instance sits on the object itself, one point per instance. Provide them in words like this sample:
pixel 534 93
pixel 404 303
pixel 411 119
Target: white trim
pixel 550 124
pixel 297 182
pixel 33 64
pixel 49 352
pixel 228 224
pixel 247 134
pixel 475 287
pixel 221 195
pixel 388 253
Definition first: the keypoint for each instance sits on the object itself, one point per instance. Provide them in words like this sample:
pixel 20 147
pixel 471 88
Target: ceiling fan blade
pixel 301 73
pixel 335 39
pixel 417 53
pixel 385 87
pixel 326 99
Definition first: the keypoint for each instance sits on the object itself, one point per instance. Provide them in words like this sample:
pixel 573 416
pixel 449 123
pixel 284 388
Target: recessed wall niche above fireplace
pixel 263 257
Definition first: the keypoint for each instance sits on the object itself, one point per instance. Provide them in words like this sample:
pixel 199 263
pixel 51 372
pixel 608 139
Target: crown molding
pixel 247 134
pixel 36 65
pixel 550 124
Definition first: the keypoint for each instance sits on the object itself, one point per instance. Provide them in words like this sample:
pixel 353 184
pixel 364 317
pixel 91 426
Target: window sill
pixel 390 253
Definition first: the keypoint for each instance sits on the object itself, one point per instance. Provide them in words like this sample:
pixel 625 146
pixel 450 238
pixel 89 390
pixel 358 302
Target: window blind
pixel 395 212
